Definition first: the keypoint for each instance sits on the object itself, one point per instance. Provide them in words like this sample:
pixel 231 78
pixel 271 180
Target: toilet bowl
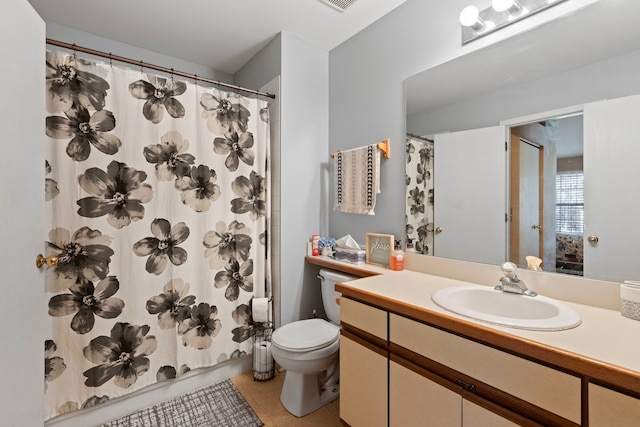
pixel 308 351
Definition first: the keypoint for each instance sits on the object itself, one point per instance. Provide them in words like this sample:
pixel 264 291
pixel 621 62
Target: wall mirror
pixel 573 79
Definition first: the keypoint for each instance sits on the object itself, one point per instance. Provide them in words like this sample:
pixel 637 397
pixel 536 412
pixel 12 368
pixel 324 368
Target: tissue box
pixel 355 256
pixel 630 300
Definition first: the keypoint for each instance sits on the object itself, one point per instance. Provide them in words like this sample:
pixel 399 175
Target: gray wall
pixel 367 98
pixel 367 94
pixel 263 67
pixel 299 207
pixel 305 124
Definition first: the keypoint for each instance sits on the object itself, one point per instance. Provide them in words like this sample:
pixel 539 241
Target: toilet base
pixel 301 393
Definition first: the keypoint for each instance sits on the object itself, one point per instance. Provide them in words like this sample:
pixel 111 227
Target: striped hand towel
pixel 357 179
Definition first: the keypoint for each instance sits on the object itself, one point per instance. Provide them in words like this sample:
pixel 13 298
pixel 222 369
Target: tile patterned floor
pixel 264 398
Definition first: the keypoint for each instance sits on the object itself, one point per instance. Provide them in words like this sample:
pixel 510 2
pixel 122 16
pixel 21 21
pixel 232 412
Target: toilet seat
pixel 306 335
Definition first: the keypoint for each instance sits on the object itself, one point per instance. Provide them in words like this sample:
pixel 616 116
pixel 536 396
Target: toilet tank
pixel 328 279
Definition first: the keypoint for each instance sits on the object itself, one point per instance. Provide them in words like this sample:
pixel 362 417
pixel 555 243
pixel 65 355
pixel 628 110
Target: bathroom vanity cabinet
pixel 406 361
pixel 433 377
pixel 421 373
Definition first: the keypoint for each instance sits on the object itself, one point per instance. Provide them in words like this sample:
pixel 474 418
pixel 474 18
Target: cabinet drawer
pixel 364 317
pixel 539 385
pixel 610 408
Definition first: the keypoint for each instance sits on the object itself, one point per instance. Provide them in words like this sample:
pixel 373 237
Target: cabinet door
pixel 609 408
pixel 415 400
pixel 363 383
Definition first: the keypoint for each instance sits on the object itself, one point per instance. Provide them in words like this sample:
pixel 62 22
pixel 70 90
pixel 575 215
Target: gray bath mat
pixel 216 405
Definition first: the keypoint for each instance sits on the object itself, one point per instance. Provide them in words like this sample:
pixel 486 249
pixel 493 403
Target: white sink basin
pixel 484 303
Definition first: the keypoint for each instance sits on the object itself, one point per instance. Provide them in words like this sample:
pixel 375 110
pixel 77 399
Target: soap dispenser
pixel 397 257
pixel 533 263
pixel 410 248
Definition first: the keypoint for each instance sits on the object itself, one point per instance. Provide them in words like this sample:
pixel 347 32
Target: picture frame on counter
pixel 379 248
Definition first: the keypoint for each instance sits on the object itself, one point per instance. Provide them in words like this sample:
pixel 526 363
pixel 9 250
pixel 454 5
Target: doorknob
pixel 438 230
pixel 50 261
pixel 592 239
pixel 536 227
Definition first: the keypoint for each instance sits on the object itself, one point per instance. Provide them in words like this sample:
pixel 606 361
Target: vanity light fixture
pixel 476 24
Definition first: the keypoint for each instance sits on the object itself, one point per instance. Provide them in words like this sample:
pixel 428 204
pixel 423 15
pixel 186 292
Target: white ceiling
pixel 221 34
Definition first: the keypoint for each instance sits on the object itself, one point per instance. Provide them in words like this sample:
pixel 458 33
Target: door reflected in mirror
pixel 546 189
pixel 456 187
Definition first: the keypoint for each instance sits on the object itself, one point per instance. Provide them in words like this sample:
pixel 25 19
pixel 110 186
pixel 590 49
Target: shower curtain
pixel 156 191
pixel 419 192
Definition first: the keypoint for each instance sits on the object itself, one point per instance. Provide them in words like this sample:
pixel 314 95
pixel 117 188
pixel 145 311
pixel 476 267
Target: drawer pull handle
pixel 466 385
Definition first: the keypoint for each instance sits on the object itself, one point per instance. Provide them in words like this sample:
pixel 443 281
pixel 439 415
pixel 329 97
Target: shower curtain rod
pixel 422 138
pixel 74 47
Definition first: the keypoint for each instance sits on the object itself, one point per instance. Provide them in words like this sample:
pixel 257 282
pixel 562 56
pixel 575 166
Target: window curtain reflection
pixel 419 192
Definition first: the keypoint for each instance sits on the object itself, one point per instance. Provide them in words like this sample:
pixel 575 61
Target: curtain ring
pixel 141 65
pixel 110 59
pixel 74 51
pixel 172 74
pixel 195 79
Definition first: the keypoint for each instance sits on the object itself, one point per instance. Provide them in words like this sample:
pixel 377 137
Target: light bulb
pixel 501 5
pixel 511 6
pixel 470 17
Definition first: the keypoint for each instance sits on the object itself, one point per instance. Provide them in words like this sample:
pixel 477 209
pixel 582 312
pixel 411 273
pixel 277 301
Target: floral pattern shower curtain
pixel 157 195
pixel 419 190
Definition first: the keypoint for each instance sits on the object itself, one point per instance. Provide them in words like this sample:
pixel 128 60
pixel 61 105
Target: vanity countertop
pixel 605 346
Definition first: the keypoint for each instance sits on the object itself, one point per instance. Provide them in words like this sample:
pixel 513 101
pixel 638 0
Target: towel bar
pixel 384 146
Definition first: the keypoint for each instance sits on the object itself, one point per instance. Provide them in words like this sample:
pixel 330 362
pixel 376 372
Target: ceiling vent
pixel 340 5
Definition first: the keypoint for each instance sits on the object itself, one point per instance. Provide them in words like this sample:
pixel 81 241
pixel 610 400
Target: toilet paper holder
pixel 263 363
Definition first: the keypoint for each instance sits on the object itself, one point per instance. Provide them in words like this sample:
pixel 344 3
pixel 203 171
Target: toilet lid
pixel 306 335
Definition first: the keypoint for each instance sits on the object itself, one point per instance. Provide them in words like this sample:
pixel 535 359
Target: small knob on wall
pixel 438 230
pixel 592 239
pixel 50 261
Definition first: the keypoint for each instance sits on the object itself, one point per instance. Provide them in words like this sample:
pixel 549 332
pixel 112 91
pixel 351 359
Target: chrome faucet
pixel 510 282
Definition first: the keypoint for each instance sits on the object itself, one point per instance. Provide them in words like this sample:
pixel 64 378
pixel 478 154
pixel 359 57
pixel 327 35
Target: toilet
pixel 308 351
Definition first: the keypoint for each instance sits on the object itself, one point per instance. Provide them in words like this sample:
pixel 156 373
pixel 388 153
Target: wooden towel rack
pixel 384 146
